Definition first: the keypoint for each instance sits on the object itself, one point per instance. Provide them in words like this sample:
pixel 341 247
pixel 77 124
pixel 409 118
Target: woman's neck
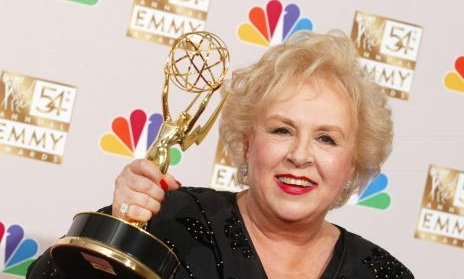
pixel 285 248
pixel 273 228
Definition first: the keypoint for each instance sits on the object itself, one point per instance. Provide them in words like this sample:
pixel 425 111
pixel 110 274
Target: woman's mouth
pixel 295 185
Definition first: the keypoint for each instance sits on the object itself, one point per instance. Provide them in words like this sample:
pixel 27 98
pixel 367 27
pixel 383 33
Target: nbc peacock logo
pixel 374 195
pixel 16 253
pixel 273 25
pixel 455 80
pixel 131 137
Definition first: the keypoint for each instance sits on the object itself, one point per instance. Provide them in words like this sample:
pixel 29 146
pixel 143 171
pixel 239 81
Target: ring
pixel 124 209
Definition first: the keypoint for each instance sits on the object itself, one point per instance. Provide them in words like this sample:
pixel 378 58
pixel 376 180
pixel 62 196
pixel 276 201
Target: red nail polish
pixel 163 184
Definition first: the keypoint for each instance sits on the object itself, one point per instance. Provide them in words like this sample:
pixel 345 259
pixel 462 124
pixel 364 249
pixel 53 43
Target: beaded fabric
pixel 233 229
pixel 385 265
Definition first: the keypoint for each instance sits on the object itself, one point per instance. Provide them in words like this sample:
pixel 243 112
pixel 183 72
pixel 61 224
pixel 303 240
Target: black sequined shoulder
pixel 357 258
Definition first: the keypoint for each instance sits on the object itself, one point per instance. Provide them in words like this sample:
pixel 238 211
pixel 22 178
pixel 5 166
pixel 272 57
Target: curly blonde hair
pixel 307 54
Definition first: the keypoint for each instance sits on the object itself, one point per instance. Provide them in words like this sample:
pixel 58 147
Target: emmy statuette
pixel 98 245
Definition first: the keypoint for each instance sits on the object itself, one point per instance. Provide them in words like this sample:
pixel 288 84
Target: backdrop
pixel 80 90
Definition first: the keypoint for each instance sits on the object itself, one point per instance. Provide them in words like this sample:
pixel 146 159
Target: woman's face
pixel 300 154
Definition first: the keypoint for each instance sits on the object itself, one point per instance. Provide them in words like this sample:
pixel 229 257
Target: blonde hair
pixel 307 54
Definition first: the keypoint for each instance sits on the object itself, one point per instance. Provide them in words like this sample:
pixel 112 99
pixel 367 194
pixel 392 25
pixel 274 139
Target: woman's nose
pixel 301 153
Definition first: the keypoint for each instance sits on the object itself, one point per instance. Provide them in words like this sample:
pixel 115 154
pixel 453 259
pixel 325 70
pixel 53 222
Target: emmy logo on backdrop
pixel 441 217
pixel 35 116
pixel 100 245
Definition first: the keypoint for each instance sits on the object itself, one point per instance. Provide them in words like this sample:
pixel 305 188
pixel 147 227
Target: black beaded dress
pixel 206 230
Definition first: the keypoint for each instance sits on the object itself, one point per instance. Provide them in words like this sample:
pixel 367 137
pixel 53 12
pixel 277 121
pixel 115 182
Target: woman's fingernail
pixel 178 182
pixel 163 184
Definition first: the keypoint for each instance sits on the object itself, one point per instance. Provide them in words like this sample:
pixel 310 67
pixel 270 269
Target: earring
pixel 348 185
pixel 344 195
pixel 242 174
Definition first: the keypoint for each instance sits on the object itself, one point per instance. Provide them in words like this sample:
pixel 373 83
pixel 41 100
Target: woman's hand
pixel 139 191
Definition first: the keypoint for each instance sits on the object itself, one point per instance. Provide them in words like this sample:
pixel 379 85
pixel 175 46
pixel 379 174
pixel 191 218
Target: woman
pixel 306 129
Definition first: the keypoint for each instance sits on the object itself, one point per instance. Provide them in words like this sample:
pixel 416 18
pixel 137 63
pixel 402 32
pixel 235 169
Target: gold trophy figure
pixel 98 245
pixel 198 63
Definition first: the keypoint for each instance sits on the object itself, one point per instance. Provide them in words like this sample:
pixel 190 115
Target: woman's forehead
pixel 326 94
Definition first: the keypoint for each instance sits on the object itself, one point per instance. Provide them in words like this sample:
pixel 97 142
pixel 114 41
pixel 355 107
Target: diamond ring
pixel 124 209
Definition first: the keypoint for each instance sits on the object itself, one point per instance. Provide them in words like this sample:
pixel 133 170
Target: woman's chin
pixel 296 213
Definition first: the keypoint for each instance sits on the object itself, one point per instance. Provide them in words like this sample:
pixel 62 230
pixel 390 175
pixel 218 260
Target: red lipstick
pixel 294 189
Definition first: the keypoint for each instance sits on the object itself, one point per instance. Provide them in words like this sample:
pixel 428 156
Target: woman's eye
pixel 281 131
pixel 327 139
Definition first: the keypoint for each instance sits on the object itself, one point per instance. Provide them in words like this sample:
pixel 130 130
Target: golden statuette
pixel 198 63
